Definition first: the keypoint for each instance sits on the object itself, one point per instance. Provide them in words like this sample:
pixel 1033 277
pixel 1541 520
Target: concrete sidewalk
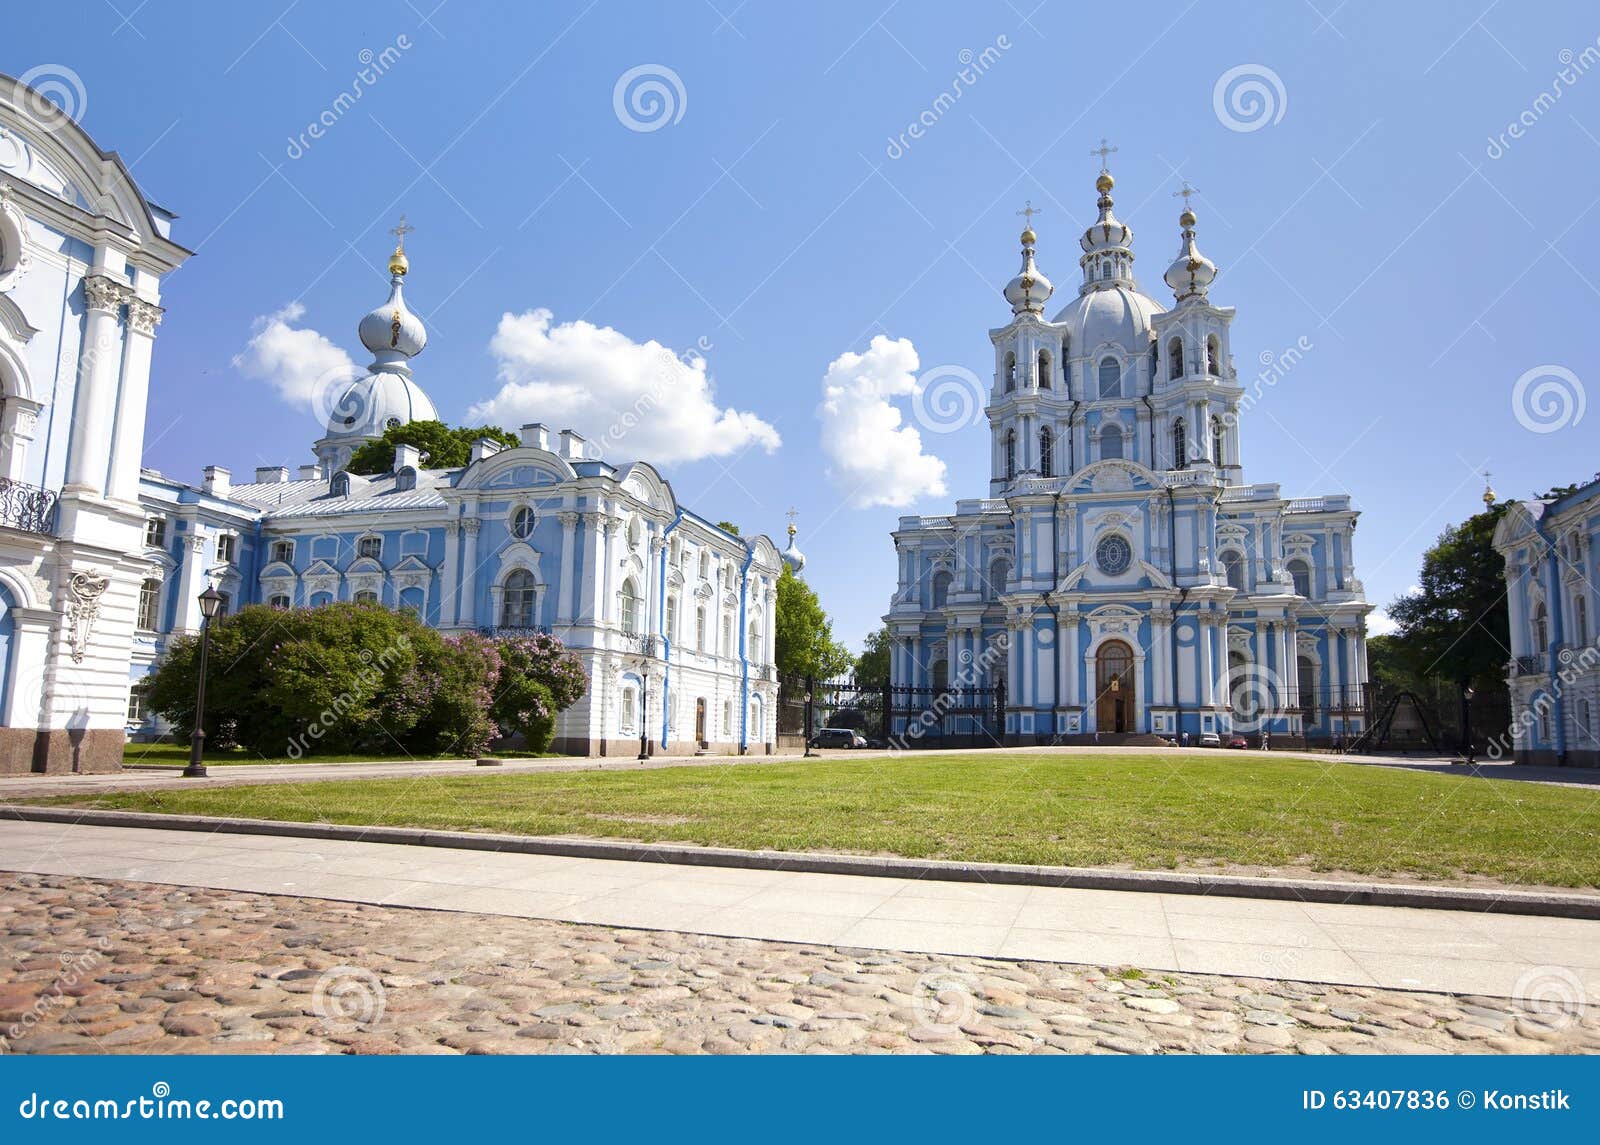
pixel 1392 947
pixel 149 778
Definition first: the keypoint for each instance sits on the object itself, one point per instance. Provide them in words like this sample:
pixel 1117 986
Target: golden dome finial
pixel 1027 212
pixel 1186 219
pixel 398 263
pixel 1489 496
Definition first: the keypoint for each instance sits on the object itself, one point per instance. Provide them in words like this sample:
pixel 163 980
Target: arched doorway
pixel 700 722
pixel 1114 687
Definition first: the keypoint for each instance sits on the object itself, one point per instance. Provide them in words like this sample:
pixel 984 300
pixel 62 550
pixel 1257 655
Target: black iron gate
pixel 892 716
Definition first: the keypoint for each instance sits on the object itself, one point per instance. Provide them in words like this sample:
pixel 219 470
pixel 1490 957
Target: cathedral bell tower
pixel 1028 375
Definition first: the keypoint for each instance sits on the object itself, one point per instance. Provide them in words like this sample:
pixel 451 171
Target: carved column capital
pixel 144 317
pixel 104 293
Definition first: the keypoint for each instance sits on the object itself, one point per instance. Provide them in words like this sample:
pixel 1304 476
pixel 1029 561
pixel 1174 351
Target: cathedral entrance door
pixel 1114 687
pixel 700 721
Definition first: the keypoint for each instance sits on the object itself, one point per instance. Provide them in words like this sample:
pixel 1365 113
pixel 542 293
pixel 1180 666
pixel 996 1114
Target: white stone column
pixel 1207 660
pixel 469 575
pixel 606 606
pixel 569 521
pixel 128 441
pixel 1067 641
pixel 95 401
pixel 449 606
pixel 191 578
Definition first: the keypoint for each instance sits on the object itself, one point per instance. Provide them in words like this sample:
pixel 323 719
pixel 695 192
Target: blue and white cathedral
pixel 1121 575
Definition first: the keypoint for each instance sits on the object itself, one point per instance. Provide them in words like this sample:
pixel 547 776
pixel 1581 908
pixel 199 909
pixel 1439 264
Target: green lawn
pixel 1079 810
pixel 176 755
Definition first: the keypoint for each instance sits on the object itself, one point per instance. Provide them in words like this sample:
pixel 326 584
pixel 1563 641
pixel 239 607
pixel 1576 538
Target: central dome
pixel 1119 315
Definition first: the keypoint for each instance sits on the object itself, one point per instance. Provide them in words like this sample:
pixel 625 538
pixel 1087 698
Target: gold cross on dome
pixel 1029 210
pixel 401 231
pixel 1103 150
pixel 1186 192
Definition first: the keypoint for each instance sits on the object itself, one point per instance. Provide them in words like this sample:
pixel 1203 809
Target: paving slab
pixel 1393 947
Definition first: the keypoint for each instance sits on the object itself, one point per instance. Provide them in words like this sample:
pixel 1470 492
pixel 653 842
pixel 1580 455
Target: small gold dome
pixel 398 263
pixel 1028 237
pixel 1105 182
pixel 1186 219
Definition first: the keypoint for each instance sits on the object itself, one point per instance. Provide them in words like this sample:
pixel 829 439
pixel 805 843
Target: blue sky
pixel 1364 203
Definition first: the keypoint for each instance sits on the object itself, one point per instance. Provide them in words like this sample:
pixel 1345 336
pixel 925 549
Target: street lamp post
pixel 808 717
pixel 644 711
pixel 1466 721
pixel 210 605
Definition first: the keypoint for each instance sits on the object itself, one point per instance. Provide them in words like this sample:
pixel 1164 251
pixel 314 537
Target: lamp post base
pixel 196 769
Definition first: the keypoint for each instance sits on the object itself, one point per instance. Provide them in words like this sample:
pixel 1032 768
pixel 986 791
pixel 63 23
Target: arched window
pixel 727 718
pixel 999 574
pixel 1105 270
pixel 1302 578
pixel 1044 370
pixel 283 552
pixel 1218 452
pixel 1110 441
pixel 941 588
pixel 727 634
pixel 365 596
pixel 1213 356
pixel 1046 461
pixel 700 628
pixel 705 565
pixel 369 548
pixel 1110 378
pixel 671 632
pixel 941 675
pixel 1180 445
pixel 1011 372
pixel 1541 628
pixel 1580 618
pixel 629 599
pixel 1011 455
pixel 522 521
pixel 278 600
pixel 1233 565
pixel 752 647
pixel 518 600
pixel 1175 359
pixel 149 605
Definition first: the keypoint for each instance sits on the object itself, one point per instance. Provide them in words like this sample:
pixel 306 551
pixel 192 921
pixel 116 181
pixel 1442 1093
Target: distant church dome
pixel 1110 307
pixel 386 396
pixel 1191 273
pixel 1030 289
pixel 792 556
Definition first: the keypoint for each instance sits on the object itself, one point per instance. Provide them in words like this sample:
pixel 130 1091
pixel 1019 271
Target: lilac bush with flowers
pixel 352 678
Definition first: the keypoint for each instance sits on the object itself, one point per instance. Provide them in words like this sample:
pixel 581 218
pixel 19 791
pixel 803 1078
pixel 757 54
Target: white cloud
pixel 633 399
pixel 297 362
pixel 1379 623
pixel 872 455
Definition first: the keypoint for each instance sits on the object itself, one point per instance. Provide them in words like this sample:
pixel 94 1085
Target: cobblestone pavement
pixel 104 967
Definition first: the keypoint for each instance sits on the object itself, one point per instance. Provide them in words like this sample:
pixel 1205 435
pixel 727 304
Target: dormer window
pixel 369 548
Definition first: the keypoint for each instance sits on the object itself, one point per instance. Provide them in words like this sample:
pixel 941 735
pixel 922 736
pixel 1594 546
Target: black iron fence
pixel 891 715
pixel 27 508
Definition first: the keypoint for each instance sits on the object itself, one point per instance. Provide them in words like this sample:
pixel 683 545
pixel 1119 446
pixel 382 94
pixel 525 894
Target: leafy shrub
pixel 354 678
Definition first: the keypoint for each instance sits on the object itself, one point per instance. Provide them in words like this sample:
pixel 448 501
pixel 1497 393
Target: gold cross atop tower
pixel 792 514
pixel 1103 150
pixel 398 262
pixel 1029 210
pixel 1186 192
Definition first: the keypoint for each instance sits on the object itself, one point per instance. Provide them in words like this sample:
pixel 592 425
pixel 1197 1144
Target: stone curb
pixel 1081 878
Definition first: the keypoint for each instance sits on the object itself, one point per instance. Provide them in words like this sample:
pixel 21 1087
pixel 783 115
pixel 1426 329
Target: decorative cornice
pixel 144 317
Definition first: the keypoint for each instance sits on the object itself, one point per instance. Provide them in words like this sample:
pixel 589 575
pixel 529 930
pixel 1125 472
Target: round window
pixel 1113 555
pixel 522 523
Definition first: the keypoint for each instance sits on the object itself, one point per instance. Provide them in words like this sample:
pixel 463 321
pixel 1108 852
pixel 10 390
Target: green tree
pixel 728 527
pixel 872 666
pixel 804 638
pixel 442 447
pixel 1456 625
